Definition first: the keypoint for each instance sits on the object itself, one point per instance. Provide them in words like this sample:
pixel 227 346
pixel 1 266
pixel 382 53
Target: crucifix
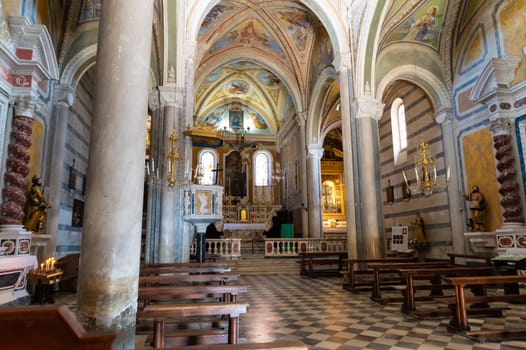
pixel 216 170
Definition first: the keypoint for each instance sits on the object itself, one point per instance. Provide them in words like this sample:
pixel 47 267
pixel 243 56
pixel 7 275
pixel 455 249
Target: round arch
pixel 427 81
pixel 315 108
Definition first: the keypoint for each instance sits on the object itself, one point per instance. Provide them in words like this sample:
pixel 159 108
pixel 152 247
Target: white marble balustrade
pixel 229 248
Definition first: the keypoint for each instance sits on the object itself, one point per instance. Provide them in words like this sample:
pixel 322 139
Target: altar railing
pixel 229 248
pixel 276 247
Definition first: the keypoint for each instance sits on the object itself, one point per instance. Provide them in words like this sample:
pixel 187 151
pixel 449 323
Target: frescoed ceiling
pixel 259 56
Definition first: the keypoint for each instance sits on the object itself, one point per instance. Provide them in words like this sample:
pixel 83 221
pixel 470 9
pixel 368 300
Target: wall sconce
pixel 172 157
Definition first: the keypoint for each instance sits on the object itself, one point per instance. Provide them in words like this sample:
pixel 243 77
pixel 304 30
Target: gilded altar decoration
pixel 37 205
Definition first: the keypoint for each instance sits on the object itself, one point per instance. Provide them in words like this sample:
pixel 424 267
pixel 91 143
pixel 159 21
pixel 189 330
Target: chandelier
pixel 426 178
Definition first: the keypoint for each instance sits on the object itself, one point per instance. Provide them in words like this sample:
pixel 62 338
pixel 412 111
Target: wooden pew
pixel 390 272
pixel 274 345
pixel 160 313
pixel 459 321
pixel 146 271
pixel 310 261
pixel 170 293
pixel 48 327
pixel 186 279
pixel 434 284
pixel 187 264
pixel 477 259
pixel 357 279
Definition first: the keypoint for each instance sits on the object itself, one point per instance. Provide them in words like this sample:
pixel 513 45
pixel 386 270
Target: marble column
pixel 167 235
pixel 314 190
pixel 64 98
pixel 444 117
pixel 17 168
pixel 350 157
pixel 368 111
pixel 300 120
pixel 111 237
pixel 509 188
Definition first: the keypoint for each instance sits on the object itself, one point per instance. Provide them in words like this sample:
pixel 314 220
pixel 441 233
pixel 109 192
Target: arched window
pixel 208 161
pixel 262 168
pixel 399 129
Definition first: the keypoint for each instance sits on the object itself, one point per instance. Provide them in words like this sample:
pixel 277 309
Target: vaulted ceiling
pixel 258 56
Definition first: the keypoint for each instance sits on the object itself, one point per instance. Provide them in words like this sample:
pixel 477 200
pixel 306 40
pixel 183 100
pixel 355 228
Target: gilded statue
pixel 37 205
pixel 477 207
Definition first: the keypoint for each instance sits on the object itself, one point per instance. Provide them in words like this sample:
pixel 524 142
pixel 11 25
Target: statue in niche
pixel 37 206
pixel 477 208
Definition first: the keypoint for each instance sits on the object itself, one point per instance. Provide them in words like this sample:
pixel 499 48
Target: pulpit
pixel 203 205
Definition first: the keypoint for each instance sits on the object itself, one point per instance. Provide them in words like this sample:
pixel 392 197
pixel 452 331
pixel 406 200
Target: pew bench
pixel 358 279
pixel 160 270
pixel 160 313
pixel 186 279
pixel 431 280
pixel 314 264
pixel 274 345
pixel 172 293
pixel 459 305
pixel 390 273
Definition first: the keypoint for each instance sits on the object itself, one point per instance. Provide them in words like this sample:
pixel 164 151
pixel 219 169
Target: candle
pixel 435 171
pixel 187 170
pixel 405 178
pixel 448 174
pixel 153 165
pixel 42 267
pixel 416 174
pixel 147 169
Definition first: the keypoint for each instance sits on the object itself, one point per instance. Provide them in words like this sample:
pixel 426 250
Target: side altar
pixel 247 221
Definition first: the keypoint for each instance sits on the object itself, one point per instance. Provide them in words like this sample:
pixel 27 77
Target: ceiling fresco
pixel 264 59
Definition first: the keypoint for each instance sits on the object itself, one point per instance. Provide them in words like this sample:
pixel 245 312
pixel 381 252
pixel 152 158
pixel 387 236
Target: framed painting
pixel 236 118
pixel 77 213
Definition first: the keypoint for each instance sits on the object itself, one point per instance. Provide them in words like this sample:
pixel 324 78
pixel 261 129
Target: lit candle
pixel 42 267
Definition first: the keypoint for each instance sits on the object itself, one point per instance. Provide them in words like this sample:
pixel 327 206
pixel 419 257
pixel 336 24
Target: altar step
pixel 257 264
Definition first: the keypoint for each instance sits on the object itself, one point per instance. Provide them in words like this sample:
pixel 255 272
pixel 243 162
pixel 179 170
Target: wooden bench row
pixel 314 264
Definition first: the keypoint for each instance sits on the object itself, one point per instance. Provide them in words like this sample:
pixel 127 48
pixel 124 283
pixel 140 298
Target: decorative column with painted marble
pixel 314 190
pixel 111 237
pixel 511 203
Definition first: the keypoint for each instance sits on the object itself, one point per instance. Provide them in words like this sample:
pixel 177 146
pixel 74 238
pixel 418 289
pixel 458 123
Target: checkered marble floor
pixel 324 316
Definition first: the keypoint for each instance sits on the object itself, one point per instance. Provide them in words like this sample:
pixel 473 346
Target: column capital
pixel 500 126
pixel 301 118
pixel 154 100
pixel 64 95
pixel 367 107
pixel 26 105
pixel 168 95
pixel 444 115
pixel 342 61
pixel 315 151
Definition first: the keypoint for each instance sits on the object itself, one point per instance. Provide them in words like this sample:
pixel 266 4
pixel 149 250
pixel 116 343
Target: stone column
pixel 314 190
pixel 300 120
pixel 507 173
pixel 456 202
pixel 111 237
pixel 368 111
pixel 350 157
pixel 17 169
pixel 167 236
pixel 64 98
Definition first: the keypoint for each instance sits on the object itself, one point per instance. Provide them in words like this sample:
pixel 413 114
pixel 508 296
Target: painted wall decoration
pixel 257 121
pixel 479 164
pixel 237 87
pixel 470 11
pixel 249 32
pixel 90 11
pixel 513 19
pixel 297 24
pixel 474 52
pixel 217 13
pixel 423 25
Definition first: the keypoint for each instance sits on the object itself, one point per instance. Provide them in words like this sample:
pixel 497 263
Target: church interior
pixel 296 132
